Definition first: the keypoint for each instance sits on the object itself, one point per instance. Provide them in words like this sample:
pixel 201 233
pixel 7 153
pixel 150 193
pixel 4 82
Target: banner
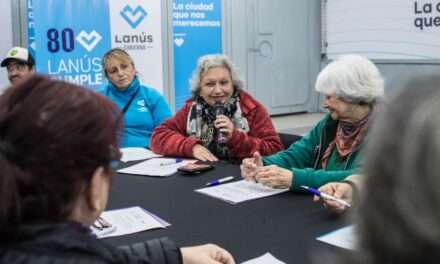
pixel 395 29
pixel 70 37
pixel 31 24
pixel 136 27
pixel 197 32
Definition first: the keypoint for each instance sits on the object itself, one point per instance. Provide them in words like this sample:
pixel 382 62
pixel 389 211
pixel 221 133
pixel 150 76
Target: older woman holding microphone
pixel 352 85
pixel 220 121
pixel 143 107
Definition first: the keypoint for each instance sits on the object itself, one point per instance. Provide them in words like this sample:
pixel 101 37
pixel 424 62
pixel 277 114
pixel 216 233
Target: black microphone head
pixel 219 109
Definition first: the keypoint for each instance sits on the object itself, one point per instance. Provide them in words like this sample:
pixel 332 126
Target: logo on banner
pixel 133 17
pixel 88 40
pixel 179 41
pixel 136 39
pixel 84 70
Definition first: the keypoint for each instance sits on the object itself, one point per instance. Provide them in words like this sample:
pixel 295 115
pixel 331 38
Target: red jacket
pixel 170 138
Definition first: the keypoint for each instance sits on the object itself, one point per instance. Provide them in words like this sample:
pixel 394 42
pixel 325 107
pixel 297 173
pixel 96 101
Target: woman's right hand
pixel 341 190
pixel 203 154
pixel 250 166
pixel 206 254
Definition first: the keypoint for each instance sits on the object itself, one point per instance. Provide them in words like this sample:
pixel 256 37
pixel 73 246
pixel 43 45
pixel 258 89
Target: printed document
pixel 131 154
pixel 265 259
pixel 160 167
pixel 240 191
pixel 127 221
pixel 344 237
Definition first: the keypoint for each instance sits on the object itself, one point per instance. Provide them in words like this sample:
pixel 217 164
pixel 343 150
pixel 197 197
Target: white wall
pixel 5 38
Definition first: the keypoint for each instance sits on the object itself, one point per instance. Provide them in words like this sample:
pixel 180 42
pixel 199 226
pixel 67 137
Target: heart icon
pixel 179 41
pixel 88 40
pixel 133 16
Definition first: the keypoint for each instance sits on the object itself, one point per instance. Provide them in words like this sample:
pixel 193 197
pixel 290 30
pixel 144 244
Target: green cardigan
pixel 304 158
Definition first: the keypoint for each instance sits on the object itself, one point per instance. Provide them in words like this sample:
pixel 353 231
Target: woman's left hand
pixel 274 176
pixel 224 125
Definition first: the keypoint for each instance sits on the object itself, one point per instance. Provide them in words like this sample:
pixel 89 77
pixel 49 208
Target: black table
pixel 285 225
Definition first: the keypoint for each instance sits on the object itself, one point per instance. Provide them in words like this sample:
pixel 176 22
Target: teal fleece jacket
pixel 147 110
pixel 304 158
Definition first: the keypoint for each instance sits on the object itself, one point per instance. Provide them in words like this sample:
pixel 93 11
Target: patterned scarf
pixel 201 119
pixel 348 139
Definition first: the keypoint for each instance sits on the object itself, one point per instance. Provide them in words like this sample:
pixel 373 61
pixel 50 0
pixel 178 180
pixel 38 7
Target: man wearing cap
pixel 19 64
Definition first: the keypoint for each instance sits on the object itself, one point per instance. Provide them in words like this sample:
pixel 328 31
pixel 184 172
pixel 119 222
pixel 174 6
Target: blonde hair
pixel 116 54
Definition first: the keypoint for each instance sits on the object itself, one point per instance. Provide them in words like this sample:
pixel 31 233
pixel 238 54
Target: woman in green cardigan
pixel 352 85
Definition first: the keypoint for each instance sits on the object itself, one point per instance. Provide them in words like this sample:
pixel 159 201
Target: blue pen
pixel 219 181
pixel 324 195
pixel 165 163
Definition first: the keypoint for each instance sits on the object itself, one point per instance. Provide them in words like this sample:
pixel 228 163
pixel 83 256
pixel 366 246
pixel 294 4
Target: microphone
pixel 220 110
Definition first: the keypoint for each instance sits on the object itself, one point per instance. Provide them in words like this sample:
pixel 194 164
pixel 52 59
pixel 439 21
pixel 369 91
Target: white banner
pixel 392 29
pixel 136 27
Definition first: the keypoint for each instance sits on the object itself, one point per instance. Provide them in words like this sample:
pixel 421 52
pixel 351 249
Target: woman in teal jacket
pixel 331 150
pixel 144 108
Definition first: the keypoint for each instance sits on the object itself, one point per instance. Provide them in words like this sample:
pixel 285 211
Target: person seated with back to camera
pixel 220 121
pixel 56 172
pixel 330 151
pixel 143 107
pixel 398 219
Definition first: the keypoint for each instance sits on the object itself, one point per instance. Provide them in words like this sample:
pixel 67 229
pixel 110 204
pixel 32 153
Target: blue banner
pixel 197 32
pixel 70 38
pixel 31 26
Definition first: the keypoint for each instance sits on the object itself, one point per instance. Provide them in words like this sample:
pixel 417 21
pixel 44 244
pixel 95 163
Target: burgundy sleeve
pixel 170 137
pixel 261 137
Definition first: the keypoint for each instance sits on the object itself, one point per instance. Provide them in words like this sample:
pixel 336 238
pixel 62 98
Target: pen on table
pixel 170 162
pixel 220 181
pixel 325 196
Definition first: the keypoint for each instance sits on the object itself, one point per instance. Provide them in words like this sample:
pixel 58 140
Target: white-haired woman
pixel 220 121
pixel 330 152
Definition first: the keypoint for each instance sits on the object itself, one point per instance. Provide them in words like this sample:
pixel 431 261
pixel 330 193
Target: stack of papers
pixel 344 238
pixel 240 191
pixel 160 167
pixel 128 221
pixel 132 154
pixel 265 259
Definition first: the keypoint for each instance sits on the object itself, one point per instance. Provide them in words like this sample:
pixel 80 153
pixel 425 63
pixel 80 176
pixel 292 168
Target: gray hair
pixel 207 62
pixel 353 78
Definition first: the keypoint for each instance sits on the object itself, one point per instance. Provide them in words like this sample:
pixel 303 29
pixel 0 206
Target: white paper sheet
pixel 127 221
pixel 344 237
pixel 131 154
pixel 264 259
pixel 240 191
pixel 160 167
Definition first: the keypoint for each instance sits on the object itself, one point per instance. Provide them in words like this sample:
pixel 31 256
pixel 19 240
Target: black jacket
pixel 72 243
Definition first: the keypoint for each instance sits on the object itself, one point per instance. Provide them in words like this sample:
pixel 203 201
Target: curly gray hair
pixel 353 78
pixel 207 62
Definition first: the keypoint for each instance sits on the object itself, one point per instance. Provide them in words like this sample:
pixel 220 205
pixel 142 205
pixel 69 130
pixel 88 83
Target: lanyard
pixel 129 102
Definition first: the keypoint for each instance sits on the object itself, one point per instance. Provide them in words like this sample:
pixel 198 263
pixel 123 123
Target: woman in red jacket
pixel 220 121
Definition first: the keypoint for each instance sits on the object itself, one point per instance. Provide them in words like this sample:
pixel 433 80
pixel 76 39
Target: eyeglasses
pixel 114 164
pixel 115 155
pixel 101 224
pixel 16 66
pixel 102 228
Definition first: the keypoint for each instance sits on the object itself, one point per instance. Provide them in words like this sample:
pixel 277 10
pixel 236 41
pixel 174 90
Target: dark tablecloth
pixel 285 225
